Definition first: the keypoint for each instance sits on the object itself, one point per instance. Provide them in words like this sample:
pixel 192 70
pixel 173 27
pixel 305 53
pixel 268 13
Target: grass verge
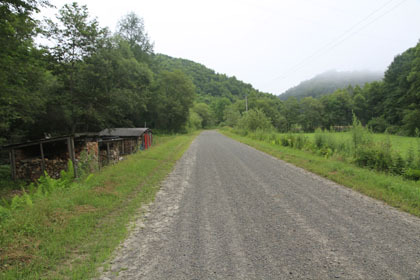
pixel 394 190
pixel 71 232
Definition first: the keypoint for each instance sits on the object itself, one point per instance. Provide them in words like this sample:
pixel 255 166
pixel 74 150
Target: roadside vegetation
pixel 66 228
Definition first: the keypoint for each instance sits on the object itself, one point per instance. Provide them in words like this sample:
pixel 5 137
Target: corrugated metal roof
pixel 124 132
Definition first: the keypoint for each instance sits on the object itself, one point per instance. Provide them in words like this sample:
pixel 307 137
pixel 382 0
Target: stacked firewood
pixel 114 155
pixel 31 169
pixel 54 167
pixel 129 146
pixel 28 169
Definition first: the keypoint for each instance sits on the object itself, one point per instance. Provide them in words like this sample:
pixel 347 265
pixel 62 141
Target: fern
pixel 88 178
pixel 27 198
pixel 4 213
pixel 66 177
pixel 5 203
pixel 16 202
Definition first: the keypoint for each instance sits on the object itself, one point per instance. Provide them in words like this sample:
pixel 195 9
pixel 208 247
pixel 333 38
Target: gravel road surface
pixel 228 211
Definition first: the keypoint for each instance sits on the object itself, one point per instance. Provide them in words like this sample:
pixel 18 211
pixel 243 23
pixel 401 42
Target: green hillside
pixel 207 81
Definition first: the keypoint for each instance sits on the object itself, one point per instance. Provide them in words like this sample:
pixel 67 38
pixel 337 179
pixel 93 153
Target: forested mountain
pixel 329 82
pixel 206 81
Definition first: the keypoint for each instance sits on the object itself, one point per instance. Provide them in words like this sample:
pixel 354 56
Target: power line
pixel 340 39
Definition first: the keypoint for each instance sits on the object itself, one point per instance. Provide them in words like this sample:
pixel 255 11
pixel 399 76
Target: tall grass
pixel 359 146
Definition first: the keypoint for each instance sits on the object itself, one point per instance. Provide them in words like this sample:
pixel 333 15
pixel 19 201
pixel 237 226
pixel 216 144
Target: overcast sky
pixel 270 44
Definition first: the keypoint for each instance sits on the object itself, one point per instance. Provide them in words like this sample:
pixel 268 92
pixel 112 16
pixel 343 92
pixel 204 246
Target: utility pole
pixel 246 103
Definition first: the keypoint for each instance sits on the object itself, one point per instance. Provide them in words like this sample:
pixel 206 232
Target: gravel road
pixel 228 211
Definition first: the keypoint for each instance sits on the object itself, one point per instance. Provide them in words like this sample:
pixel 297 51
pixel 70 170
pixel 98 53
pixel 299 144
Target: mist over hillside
pixel 330 81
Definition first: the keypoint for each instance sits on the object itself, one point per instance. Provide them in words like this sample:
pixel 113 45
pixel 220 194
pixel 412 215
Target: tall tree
pixel 338 108
pixel 22 73
pixel 173 99
pixel 205 113
pixel 76 37
pixel 291 111
pixel 118 87
pixel 131 28
pixel 311 117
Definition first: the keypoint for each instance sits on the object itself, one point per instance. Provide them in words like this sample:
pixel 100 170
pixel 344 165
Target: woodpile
pixel 129 146
pixel 28 169
pixel 54 167
pixel 114 155
pixel 29 164
pixel 92 149
pixel 31 169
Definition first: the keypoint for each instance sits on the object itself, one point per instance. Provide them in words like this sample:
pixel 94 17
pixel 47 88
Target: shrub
pixel 399 164
pixel 88 163
pixel 300 141
pixel 410 157
pixel 320 138
pixel 378 124
pixel 412 174
pixel 359 134
pixel 375 156
pixel 392 129
pixel 255 119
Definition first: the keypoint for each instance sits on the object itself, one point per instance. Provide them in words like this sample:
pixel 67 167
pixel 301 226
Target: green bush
pixel 412 174
pixel 392 129
pixel 378 124
pixel 320 138
pixel 359 134
pixel 399 164
pixel 376 156
pixel 255 119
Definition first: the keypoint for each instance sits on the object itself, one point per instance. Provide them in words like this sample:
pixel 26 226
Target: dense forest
pixel 88 78
pixel 330 81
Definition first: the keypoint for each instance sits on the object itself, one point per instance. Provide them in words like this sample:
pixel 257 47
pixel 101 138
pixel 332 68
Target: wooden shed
pixel 133 138
pixel 29 160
